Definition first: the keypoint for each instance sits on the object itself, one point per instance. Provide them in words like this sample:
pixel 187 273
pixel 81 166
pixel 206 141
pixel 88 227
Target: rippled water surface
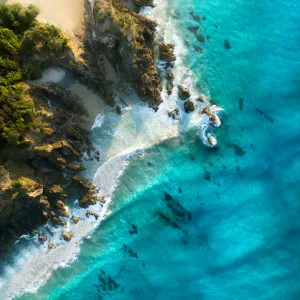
pixel 188 222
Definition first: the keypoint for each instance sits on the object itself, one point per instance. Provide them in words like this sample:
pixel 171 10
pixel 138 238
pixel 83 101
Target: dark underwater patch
pixel 227 45
pixel 177 209
pixel 131 252
pixel 238 150
pixel 195 17
pixel 241 103
pixel 106 284
pixel 193 29
pixel 207 175
pixel 133 229
pixel 265 115
pixel 167 220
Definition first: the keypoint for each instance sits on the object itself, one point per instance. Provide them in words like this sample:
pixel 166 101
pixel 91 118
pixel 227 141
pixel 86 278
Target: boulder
pixel 200 99
pixel 183 92
pixel 212 117
pixel 174 113
pixel 42 238
pixel 189 106
pixel 91 213
pixel 67 236
pixel 50 246
pixel 75 219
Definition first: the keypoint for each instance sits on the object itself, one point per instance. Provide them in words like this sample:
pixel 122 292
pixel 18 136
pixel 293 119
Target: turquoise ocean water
pixel 188 222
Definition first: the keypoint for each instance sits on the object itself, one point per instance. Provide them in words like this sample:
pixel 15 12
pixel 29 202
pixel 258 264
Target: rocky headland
pixel 43 126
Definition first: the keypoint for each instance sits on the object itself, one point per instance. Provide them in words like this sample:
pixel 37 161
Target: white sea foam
pixel 117 137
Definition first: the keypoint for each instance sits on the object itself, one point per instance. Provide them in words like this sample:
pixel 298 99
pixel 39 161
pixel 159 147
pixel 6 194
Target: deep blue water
pixel 189 222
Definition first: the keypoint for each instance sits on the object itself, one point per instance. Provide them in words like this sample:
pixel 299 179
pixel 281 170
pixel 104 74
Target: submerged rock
pixel 195 17
pixel 194 29
pixel 183 92
pixel 67 236
pixel 227 45
pixel 189 106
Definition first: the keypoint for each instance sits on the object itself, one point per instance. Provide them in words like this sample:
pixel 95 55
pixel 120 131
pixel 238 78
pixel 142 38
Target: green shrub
pixel 22 39
pixel 17 17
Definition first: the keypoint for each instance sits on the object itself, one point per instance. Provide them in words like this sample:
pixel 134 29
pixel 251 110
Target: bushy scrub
pixel 26 46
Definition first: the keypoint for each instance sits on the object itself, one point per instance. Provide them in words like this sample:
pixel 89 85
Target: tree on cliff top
pixel 17 17
pixel 26 46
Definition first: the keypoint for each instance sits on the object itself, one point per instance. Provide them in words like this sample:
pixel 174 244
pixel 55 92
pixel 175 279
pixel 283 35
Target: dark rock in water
pixel 189 106
pixel 133 229
pixel 177 209
pixel 180 190
pixel 207 175
pixel 208 37
pixel 194 29
pixel 198 49
pixel 131 252
pixel 174 114
pixel 91 213
pixel 204 18
pixel 168 197
pixel 106 283
pixel 195 17
pixel 118 109
pixel 168 220
pixel 227 45
pixel 150 164
pixel 200 99
pixel 241 103
pixel 183 92
pixel 200 38
pixel 237 149
pixel 42 238
pixel 265 115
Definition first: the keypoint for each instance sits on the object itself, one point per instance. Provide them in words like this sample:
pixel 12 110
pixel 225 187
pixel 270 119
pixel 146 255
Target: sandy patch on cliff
pixel 66 14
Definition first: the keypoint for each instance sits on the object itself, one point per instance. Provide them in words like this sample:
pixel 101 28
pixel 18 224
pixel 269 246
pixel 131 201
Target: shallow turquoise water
pixel 194 223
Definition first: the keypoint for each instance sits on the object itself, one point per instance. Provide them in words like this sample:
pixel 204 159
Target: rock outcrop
pixel 166 52
pixel 183 92
pixel 212 116
pixel 36 179
pixel 67 236
pixel 189 106
pixel 127 39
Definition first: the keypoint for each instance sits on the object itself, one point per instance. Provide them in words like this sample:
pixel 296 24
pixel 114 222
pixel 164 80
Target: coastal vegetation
pixel 26 47
pixel 39 143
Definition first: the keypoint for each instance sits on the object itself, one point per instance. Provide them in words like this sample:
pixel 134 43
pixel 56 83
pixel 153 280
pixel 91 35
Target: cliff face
pixel 127 39
pixel 35 179
pixel 42 140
